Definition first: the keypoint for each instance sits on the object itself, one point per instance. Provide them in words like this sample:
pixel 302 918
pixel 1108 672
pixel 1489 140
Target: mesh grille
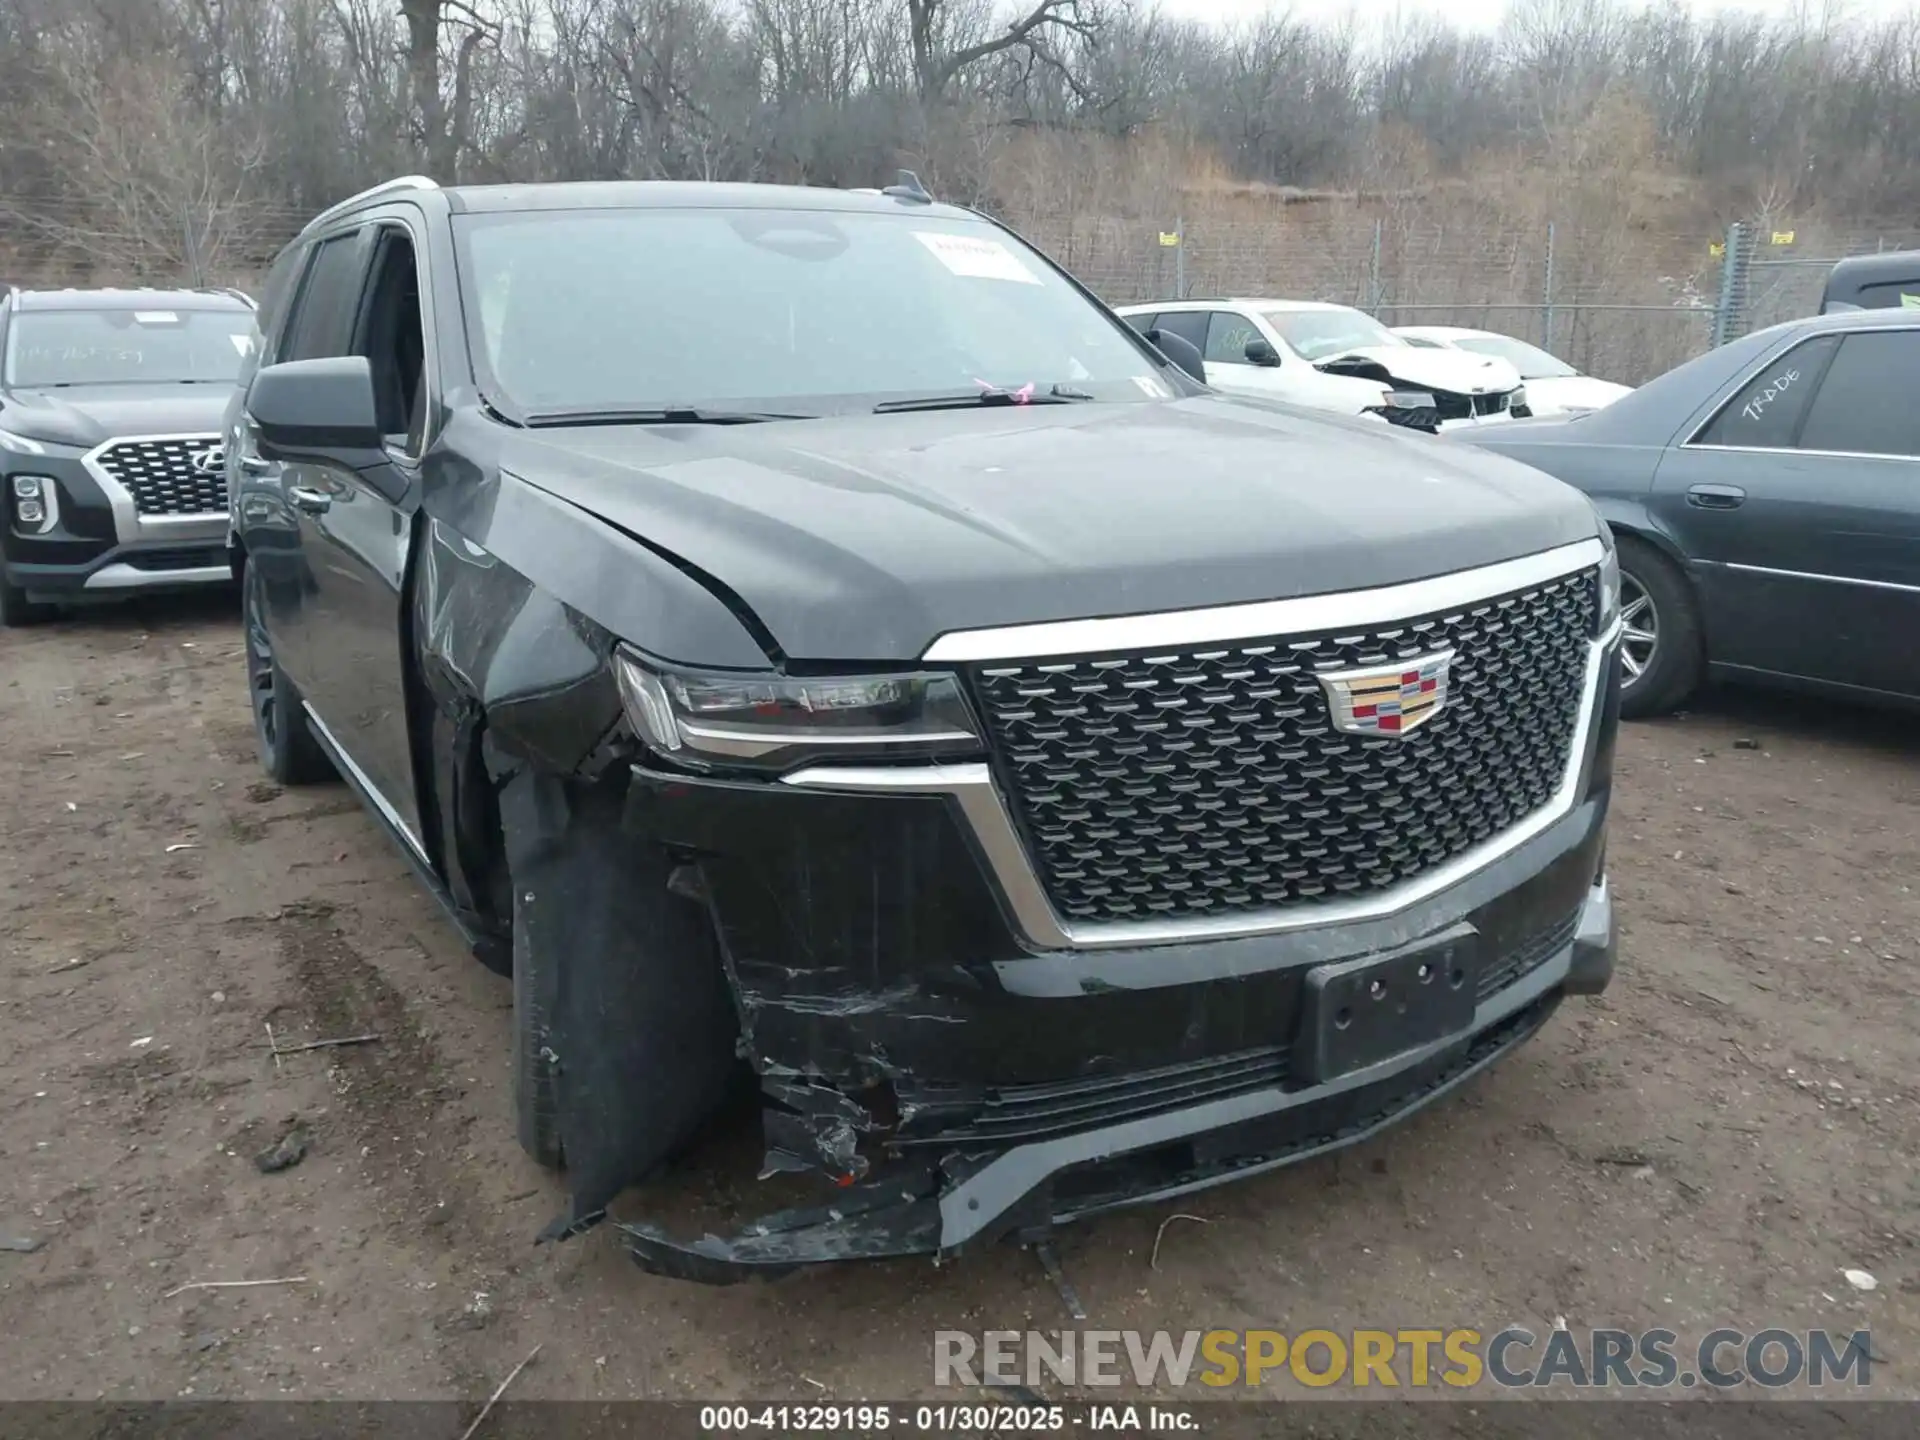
pixel 161 477
pixel 1213 782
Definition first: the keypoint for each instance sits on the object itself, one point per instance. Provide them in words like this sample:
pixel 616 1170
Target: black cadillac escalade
pixel 110 459
pixel 814 646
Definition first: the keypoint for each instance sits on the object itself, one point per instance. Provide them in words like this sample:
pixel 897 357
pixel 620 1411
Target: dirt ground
pixel 1710 1143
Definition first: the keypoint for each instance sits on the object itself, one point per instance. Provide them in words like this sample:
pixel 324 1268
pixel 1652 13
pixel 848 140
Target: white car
pixel 1333 357
pixel 1553 386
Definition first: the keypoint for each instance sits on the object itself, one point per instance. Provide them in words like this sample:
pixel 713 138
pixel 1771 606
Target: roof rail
pixel 387 187
pixel 238 294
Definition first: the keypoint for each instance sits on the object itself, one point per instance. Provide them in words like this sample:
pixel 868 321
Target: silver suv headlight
pixel 705 718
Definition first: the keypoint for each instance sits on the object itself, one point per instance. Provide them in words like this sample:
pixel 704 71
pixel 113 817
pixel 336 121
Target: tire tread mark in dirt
pixel 392 1090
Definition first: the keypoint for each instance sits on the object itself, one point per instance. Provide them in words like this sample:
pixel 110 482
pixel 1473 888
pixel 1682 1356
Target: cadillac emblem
pixel 1388 699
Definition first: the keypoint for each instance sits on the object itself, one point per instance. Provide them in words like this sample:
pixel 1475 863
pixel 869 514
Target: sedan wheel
pixel 1660 650
pixel 1640 634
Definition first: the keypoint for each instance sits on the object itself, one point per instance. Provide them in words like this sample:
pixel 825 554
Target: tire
pixel 289 753
pixel 16 609
pixel 1662 658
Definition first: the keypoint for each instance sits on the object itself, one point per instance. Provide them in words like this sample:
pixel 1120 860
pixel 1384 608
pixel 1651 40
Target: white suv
pixel 1333 357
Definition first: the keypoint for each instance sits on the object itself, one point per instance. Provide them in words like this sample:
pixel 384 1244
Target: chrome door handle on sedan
pixel 1716 497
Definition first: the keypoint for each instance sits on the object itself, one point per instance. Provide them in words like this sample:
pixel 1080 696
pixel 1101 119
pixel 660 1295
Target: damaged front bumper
pixel 1031 1186
pixel 911 1041
pixel 963 1068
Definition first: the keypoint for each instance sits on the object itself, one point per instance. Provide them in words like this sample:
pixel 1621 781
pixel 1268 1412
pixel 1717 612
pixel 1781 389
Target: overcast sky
pixel 1485 14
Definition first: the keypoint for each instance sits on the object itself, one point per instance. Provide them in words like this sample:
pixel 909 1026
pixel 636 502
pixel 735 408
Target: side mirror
pixel 1181 352
pixel 317 407
pixel 1260 351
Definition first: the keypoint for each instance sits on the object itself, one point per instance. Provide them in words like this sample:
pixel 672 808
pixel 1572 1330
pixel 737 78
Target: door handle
pixel 314 502
pixel 1716 497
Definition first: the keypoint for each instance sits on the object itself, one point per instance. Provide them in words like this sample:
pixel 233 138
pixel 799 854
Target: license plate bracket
pixel 1357 1013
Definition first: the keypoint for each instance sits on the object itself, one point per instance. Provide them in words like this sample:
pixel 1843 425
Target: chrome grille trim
pixel 971 788
pixel 1219 779
pixel 129 523
pixel 1343 611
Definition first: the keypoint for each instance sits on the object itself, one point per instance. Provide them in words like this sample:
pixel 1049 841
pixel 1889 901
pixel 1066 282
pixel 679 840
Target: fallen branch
pixel 326 1044
pixel 488 1407
pixel 232 1285
pixel 1153 1260
pixel 272 1045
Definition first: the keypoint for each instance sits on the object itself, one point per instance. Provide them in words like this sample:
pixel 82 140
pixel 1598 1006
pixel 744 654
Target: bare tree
pixel 441 120
pixel 949 36
pixel 159 187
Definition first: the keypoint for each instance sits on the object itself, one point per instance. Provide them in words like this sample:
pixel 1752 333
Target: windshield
pixel 1531 361
pixel 1316 334
pixel 50 348
pixel 795 311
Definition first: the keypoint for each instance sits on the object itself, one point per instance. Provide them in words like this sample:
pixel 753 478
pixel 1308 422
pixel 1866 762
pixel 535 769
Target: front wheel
pixel 1661 657
pixel 288 750
pixel 15 608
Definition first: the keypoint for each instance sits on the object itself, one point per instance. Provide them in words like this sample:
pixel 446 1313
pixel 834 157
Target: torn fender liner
pixel 629 1027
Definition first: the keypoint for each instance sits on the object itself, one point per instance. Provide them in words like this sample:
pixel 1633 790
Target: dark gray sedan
pixel 1766 497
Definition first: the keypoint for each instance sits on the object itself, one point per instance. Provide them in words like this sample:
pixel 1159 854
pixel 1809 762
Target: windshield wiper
pixel 970 399
pixel 665 415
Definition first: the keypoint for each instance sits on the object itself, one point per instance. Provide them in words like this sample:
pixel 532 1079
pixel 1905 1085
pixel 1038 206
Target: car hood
pixel 85 415
pixel 1558 394
pixel 1451 370
pixel 864 538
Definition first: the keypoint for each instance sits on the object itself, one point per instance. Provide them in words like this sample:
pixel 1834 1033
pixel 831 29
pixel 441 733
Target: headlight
pixel 20 444
pixel 705 718
pixel 1609 587
pixel 1518 400
pixel 1409 400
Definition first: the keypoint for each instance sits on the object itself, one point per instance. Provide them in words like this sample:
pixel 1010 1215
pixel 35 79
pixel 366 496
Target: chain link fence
pixel 1611 298
pixel 1606 294
pixel 1625 307
pixel 1772 274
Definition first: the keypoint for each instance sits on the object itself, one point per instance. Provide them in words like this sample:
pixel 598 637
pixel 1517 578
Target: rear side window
pixel 1866 404
pixel 1767 411
pixel 322 321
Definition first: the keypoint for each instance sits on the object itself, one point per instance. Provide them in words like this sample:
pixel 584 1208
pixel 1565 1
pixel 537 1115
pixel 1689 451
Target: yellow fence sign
pixel 1170 238
pixel 1783 237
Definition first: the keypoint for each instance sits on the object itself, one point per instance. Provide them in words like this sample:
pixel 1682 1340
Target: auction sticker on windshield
pixel 976 258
